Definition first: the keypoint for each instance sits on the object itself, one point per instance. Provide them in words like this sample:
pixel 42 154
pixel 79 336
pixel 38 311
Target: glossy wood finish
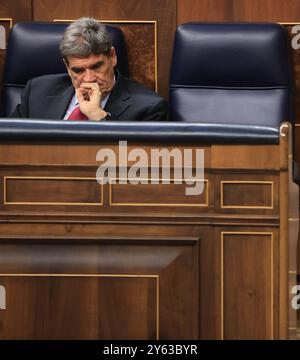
pixel 105 288
pixel 249 291
pixel 43 190
pixel 293 229
pixel 169 270
pixel 142 51
pixel 237 10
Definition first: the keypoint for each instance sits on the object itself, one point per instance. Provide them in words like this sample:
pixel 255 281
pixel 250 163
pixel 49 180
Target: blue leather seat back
pixel 33 50
pixel 236 73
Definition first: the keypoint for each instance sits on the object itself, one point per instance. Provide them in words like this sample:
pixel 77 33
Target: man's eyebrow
pixel 97 64
pixel 77 69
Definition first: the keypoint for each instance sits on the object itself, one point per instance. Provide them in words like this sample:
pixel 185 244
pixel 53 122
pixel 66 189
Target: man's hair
pixel 85 37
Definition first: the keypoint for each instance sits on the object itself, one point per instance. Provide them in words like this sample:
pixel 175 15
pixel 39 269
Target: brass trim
pixel 293 219
pixel 154 22
pixel 107 276
pixel 288 23
pixel 222 287
pixel 78 275
pixel 158 204
pixel 157 306
pixel 246 182
pixel 155 56
pixel 7 19
pixel 271 274
pixel 112 21
pixel 49 178
pixel 292 272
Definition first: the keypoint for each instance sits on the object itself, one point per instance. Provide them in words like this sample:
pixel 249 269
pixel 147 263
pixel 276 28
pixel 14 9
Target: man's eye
pixel 96 66
pixel 77 71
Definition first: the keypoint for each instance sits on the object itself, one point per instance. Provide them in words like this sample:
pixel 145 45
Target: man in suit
pixel 93 89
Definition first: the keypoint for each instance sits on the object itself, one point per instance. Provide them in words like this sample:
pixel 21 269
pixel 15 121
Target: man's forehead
pixel 82 61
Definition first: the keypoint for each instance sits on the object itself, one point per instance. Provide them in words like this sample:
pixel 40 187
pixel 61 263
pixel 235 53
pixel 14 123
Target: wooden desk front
pixel 81 260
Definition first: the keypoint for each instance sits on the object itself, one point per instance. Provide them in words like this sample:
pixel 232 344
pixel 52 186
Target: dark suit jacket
pixel 48 97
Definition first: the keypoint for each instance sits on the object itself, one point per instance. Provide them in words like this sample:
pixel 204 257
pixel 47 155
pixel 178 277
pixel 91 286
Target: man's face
pixel 93 69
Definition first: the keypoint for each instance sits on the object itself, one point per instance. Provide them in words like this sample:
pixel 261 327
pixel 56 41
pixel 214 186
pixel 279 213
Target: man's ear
pixel 113 55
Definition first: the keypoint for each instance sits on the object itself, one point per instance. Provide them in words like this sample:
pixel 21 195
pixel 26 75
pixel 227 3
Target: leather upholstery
pixel 231 73
pixel 33 50
pixel 246 106
pixel 171 132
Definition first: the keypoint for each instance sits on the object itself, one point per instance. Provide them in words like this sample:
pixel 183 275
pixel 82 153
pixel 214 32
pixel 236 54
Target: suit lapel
pixel 57 103
pixel 119 99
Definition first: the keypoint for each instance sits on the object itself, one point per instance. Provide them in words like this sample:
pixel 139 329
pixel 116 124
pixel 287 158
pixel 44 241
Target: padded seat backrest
pixel 236 73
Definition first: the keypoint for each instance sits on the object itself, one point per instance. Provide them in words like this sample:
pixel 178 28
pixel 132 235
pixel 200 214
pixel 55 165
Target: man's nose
pixel 89 76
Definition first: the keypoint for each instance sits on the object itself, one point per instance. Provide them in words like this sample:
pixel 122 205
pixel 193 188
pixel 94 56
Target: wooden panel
pixel 162 11
pixel 208 287
pixel 133 302
pixel 247 194
pixel 142 55
pixel 86 290
pixel 241 10
pixel 26 191
pixel 204 10
pixel 80 307
pixel 38 153
pixel 52 190
pixel 18 10
pixel 156 194
pixel 297 143
pixel 245 156
pixel 248 289
pixel 210 283
pixel 84 155
pixel 293 248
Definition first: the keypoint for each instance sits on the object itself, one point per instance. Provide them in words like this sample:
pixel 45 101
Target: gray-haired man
pixel 93 89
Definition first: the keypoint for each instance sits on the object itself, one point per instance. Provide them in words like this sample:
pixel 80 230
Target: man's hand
pixel 89 98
